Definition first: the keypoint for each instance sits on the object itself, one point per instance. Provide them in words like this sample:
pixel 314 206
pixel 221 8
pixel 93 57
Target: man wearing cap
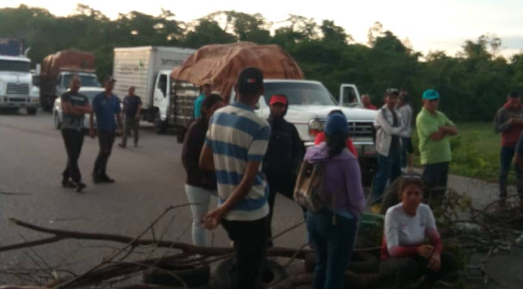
pixel 206 91
pixel 389 131
pixel 284 155
pixel 234 148
pixel 106 106
pixel 434 129
pixel 509 122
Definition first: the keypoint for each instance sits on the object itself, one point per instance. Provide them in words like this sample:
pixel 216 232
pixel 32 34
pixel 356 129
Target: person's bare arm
pixel 119 119
pixel 437 135
pixel 450 130
pixel 68 108
pixel 212 219
pixel 206 159
pixel 91 125
pixel 138 111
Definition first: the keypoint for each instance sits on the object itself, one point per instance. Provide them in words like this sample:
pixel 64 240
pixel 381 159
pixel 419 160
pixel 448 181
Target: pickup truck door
pixel 161 94
pixel 349 95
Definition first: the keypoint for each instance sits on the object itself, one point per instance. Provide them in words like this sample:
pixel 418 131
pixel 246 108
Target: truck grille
pixel 14 88
pixel 361 129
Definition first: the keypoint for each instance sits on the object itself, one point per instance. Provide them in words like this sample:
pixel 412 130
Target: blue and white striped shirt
pixel 237 135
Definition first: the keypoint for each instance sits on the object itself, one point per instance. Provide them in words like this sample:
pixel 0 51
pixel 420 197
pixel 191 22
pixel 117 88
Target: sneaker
pixel 68 184
pixel 376 209
pixel 106 179
pixel 122 145
pixel 80 187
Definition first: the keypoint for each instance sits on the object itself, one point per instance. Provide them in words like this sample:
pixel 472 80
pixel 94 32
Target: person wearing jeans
pixel 389 130
pixel 509 122
pixel 200 184
pixel 74 106
pixel 434 129
pixel 132 106
pixel 234 148
pixel 332 230
pixel 106 106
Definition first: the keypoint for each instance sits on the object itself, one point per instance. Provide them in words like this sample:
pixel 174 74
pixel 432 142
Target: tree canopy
pixel 473 83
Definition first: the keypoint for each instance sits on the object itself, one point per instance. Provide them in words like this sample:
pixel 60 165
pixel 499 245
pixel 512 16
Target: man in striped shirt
pixel 236 143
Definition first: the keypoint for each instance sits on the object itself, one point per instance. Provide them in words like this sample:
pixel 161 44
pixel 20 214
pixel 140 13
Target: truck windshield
pixel 87 80
pixel 13 65
pixel 300 93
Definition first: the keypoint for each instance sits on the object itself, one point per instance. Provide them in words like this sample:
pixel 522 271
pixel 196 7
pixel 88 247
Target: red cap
pixel 278 98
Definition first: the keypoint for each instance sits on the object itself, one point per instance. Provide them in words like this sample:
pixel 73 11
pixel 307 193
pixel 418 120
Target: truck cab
pixel 16 84
pixel 64 79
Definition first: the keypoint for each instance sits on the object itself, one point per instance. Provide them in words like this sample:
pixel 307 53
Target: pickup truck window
pixel 300 93
pixel 87 80
pixel 10 65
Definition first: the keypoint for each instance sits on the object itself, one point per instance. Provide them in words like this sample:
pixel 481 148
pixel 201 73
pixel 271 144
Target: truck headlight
pixel 315 127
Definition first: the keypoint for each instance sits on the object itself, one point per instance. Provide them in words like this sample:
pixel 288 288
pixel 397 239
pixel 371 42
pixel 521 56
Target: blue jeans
pixel 389 168
pixel 333 245
pixel 199 199
pixel 506 156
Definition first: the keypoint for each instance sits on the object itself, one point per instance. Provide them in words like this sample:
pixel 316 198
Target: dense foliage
pixel 473 83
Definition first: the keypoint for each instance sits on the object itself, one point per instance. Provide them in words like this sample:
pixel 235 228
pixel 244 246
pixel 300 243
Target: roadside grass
pixel 475 151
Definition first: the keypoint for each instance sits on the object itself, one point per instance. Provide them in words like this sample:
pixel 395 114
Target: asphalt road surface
pixel 148 180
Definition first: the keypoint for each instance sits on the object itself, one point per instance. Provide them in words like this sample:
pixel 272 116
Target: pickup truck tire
pixel 56 121
pixel 274 272
pixel 160 127
pixel 31 111
pixel 193 277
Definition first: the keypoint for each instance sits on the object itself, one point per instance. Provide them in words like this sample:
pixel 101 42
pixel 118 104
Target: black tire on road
pixel 56 121
pixel 273 273
pixel 194 277
pixel 31 111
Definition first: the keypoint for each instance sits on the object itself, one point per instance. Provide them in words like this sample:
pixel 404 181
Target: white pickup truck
pixel 309 104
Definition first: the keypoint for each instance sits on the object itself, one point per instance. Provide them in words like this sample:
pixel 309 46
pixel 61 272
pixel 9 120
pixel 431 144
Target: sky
pixel 429 25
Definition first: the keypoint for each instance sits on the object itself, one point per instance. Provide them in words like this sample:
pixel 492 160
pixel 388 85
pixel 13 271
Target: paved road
pixel 148 179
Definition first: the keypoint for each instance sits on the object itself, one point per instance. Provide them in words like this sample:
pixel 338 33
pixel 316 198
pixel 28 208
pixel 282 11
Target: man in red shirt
pixel 365 100
pixel 321 137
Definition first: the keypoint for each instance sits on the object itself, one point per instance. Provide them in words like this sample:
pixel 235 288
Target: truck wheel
pixel 180 136
pixel 160 127
pixel 57 123
pixel 272 274
pixel 31 111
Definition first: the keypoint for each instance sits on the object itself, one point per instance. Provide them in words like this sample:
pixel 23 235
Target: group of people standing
pixel 106 107
pixel 244 160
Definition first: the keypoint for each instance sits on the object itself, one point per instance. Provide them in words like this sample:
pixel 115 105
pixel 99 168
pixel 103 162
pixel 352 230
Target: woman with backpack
pixel 332 229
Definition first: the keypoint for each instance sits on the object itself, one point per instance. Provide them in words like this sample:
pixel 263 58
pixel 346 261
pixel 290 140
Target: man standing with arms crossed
pixel 106 106
pixel 74 107
pixel 434 129
pixel 236 143
pixel 132 106
pixel 509 122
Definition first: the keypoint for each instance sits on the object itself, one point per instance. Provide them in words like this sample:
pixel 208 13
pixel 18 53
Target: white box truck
pixel 148 69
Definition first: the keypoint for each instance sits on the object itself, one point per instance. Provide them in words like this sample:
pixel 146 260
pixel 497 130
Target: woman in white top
pixel 405 253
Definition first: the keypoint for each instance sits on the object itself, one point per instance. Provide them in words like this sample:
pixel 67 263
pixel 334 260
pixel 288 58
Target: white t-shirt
pixel 404 230
pixel 406 115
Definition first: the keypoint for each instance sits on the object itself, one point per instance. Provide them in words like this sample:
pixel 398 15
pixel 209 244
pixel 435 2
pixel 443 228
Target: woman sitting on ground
pixel 405 255
pixel 332 230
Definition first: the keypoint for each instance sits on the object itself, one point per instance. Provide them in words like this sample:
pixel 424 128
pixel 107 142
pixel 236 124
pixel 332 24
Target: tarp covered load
pixel 221 63
pixel 67 60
